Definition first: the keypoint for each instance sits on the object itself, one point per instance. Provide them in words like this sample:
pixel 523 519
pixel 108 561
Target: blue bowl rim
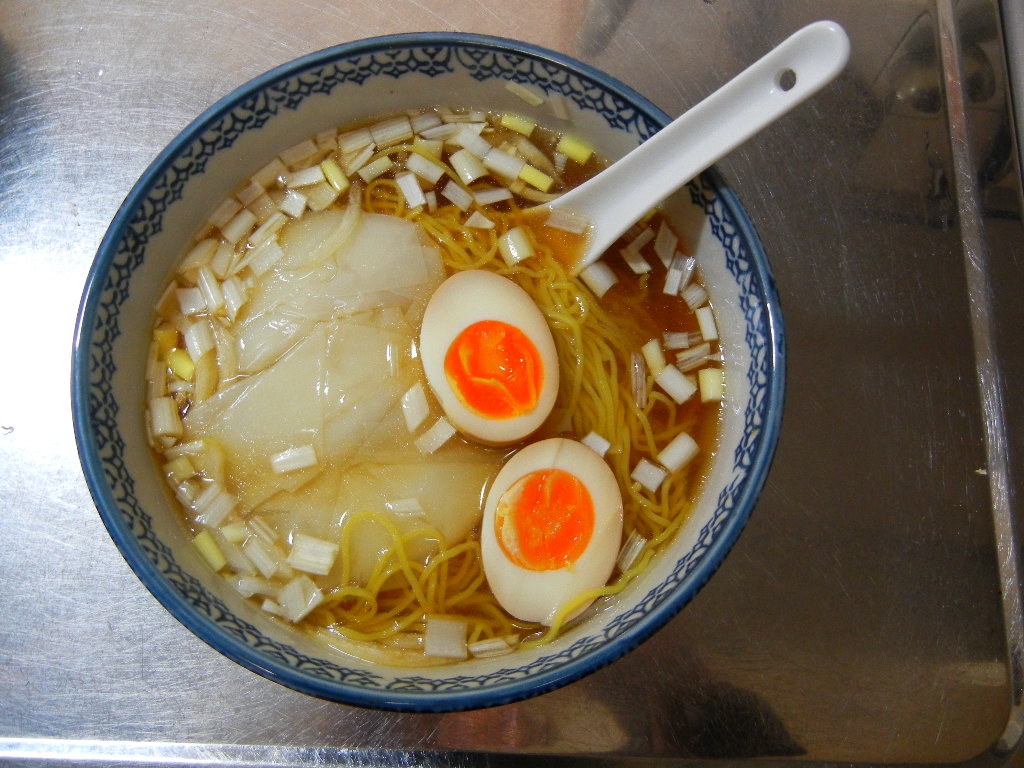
pixel 418 701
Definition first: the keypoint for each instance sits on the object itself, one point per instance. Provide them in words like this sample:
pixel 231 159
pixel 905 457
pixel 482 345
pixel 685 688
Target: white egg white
pixel 460 301
pixel 538 595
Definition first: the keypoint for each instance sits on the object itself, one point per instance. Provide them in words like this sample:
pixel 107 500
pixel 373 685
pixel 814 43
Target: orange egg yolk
pixel 545 519
pixel 495 370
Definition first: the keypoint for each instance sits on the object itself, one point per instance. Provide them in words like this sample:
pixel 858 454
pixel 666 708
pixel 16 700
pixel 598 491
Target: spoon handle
pixel 620 195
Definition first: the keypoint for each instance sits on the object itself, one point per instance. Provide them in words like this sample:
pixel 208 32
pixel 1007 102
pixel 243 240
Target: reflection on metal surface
pixel 859 617
pixel 600 22
pixel 976 262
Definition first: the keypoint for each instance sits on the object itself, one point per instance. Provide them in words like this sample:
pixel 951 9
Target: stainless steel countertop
pixel 871 610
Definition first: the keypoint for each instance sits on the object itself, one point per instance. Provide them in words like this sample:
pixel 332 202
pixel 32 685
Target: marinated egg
pixel 489 357
pixel 551 529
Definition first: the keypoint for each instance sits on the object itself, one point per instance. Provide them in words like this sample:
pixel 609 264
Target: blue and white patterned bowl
pixel 224 146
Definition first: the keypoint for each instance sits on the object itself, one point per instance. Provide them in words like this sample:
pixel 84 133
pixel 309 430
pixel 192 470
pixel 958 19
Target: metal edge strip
pixel 990 383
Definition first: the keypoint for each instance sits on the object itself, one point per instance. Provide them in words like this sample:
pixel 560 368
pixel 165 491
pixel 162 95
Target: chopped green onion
pixel 199 338
pixel 518 123
pixel 264 206
pixel 707 324
pixel 267 229
pixel 414 407
pixel 222 260
pixel 405 507
pixel 630 551
pixel 711 382
pixel 166 339
pixel 695 295
pixel 270 174
pixel 298 153
pixel 178 470
pixel 164 420
pixel 443 132
pixel 515 246
pixel 293 458
pixel 654 356
pixel 353 162
pixel 248 586
pixel 574 149
pixel 635 261
pixel 526 94
pixel 648 474
pixel 477 220
pixel 422 121
pixel 599 278
pixel 376 168
pixel 213 505
pixel 503 164
pixel 262 556
pixel 312 555
pixel 235 532
pixel 394 130
pixel 199 255
pixel 558 106
pixel 596 443
pixel 439 433
pixel 353 142
pixel 224 212
pixel 665 243
pixel 567 221
pixel 208 548
pixel 675 340
pixel 494 646
pixel 693 358
pixel 327 139
pixel 467 165
pixel 445 637
pixel 680 270
pixel 272 607
pixel 455 194
pixel 468 137
pixel 319 196
pixel 239 226
pixel 259 527
pixel 533 154
pixel 334 174
pixel 491 195
pixel 299 597
pixel 261 258
pixel 536 178
pixel 304 177
pixel 638 379
pixel 678 453
pixel 186 492
pixel 424 167
pixel 675 383
pixel 190 301
pixel 181 364
pixel 410 186
pixel 235 297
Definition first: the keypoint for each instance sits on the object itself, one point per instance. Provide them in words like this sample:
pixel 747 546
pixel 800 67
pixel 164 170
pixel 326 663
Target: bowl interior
pixel 349 84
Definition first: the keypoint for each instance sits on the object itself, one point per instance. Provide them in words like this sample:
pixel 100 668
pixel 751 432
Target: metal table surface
pixel 871 610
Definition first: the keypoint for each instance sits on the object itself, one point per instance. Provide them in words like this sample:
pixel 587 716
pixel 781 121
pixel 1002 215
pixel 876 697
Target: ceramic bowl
pixel 347 84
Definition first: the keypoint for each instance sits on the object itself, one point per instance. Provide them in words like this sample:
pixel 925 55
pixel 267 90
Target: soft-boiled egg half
pixel 489 357
pixel 551 530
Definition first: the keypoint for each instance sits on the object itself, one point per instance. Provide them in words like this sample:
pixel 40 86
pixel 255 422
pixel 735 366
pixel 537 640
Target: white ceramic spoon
pixel 616 198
